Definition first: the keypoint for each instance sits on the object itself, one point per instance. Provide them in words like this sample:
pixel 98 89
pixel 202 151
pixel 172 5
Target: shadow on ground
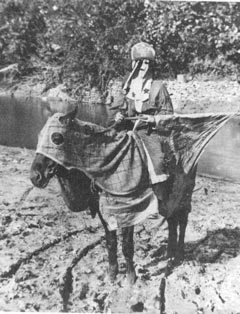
pixel 218 245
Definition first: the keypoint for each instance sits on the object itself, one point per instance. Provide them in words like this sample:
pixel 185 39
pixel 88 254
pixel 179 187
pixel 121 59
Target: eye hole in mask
pixel 57 138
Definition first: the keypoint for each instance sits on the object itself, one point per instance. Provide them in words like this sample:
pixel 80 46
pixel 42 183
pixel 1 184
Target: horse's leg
pixel 128 252
pixel 111 239
pixel 183 219
pixel 172 236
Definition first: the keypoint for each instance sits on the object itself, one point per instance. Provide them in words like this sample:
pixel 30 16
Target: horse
pixel 80 193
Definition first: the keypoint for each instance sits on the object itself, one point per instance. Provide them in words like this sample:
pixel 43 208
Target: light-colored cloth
pixel 142 50
pixel 120 212
pixel 138 84
pixel 139 92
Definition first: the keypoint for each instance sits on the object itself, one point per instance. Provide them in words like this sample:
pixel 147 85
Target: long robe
pixel 158 102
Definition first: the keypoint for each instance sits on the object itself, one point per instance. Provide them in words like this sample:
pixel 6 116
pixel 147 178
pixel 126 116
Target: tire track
pixel 14 267
pixel 66 288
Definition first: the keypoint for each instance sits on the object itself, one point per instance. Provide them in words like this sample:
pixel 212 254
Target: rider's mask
pixel 144 68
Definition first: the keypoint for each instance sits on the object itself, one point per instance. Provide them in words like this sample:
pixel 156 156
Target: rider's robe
pixel 158 102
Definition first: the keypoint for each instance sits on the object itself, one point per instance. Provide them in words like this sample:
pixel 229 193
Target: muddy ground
pixel 53 260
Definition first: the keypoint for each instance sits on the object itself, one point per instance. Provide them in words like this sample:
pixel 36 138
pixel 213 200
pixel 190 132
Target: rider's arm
pixel 160 98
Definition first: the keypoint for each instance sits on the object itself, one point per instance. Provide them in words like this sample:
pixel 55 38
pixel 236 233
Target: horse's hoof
pixel 169 266
pixel 131 278
pixel 113 272
pixel 179 258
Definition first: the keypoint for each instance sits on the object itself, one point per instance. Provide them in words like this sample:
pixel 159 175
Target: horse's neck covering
pixel 115 161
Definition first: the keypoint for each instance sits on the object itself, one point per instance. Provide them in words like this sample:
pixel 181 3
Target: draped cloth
pixel 116 162
pixel 188 134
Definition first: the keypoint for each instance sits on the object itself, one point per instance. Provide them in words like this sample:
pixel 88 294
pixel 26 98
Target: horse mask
pixel 115 161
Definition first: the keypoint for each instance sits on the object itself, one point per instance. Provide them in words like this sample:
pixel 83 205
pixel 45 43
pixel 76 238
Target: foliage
pixel 82 42
pixel 184 31
pixel 20 32
pixel 219 67
pixel 98 38
pixel 89 39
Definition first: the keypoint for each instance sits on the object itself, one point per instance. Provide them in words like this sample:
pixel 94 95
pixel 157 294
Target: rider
pixel 145 97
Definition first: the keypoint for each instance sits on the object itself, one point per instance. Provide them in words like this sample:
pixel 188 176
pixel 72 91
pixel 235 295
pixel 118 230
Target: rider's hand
pixel 149 119
pixel 119 117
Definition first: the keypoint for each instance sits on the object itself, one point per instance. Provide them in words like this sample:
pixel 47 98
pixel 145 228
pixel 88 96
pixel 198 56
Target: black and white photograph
pixel 119 156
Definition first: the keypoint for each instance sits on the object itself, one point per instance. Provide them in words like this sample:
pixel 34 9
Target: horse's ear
pixel 69 117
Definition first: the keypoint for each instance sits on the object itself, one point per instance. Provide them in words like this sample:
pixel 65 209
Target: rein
pixel 139 118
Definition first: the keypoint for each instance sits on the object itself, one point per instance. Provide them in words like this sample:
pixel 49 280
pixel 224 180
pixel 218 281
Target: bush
pixel 89 39
pixel 81 42
pixel 186 31
pixel 22 25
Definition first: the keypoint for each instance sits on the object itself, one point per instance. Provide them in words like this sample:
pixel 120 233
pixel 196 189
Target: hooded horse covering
pixel 116 161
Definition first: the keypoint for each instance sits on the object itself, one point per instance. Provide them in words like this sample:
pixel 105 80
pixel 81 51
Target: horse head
pixel 113 161
pixel 75 185
pixel 43 168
